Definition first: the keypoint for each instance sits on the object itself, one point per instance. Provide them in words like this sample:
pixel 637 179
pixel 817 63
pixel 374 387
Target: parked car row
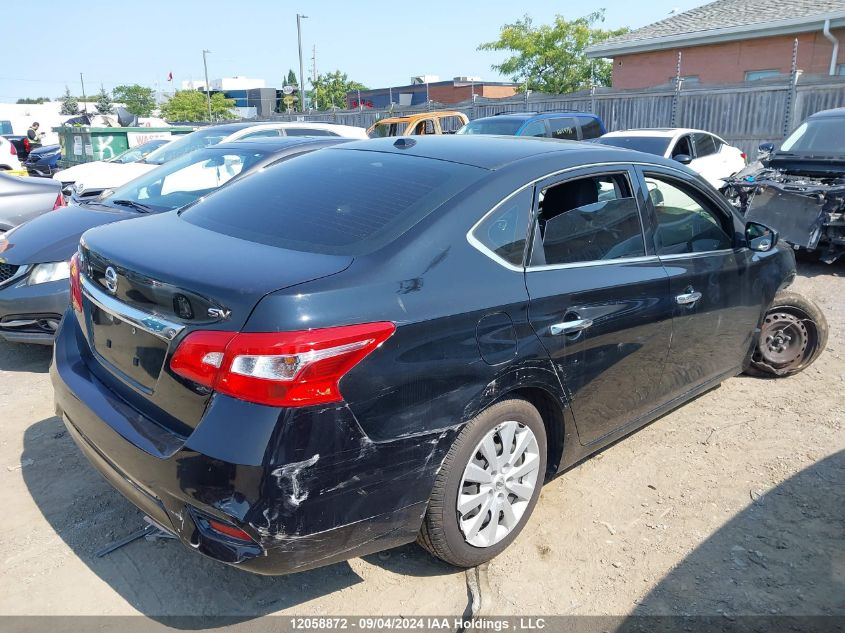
pixel 291 351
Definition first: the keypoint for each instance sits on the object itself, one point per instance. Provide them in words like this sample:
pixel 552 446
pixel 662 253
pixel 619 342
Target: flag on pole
pixel 170 76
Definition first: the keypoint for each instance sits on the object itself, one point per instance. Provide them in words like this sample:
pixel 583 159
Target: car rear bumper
pixel 335 496
pixel 31 314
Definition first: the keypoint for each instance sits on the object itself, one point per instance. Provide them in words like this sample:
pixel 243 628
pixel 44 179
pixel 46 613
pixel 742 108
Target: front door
pixel 599 299
pixel 717 302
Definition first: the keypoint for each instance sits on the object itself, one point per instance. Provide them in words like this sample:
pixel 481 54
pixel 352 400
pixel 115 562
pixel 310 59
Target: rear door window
pixel 346 202
pixel 588 219
pixel 450 124
pixel 564 128
pixel 590 127
pixel 705 145
pixel 683 147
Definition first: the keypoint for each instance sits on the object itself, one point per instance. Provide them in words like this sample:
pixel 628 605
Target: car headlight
pixel 42 273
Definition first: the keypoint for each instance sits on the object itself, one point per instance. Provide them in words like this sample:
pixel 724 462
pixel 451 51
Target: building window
pixel 756 75
pixel 840 69
pixel 687 80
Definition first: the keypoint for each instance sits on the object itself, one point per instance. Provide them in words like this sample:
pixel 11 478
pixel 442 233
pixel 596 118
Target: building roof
pixel 726 20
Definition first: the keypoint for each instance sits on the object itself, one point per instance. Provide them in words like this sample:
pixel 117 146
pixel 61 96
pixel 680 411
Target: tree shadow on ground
pixel 781 556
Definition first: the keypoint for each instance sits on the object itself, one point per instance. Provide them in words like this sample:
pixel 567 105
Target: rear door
pixel 716 301
pixel 598 297
pixel 708 161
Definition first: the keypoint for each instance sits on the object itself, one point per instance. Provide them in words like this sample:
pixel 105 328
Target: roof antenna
pixel 403 142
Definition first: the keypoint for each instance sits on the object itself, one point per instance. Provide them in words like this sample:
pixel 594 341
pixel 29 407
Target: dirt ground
pixel 732 505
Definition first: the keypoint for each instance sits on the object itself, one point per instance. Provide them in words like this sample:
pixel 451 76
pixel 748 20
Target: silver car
pixel 23 198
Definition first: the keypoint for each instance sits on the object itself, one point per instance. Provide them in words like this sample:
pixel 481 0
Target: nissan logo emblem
pixel 111 280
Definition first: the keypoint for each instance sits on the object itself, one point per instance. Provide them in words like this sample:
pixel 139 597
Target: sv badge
pixel 219 313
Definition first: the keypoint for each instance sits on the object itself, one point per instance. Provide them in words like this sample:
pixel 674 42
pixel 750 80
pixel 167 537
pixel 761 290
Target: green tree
pixel 33 100
pixel 70 105
pixel 552 56
pixel 291 78
pixel 329 89
pixel 104 104
pixel 139 100
pixel 191 105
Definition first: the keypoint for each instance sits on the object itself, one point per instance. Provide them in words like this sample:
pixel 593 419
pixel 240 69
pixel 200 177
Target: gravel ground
pixel 731 505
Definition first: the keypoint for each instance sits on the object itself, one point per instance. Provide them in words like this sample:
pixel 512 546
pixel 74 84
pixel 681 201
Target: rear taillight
pixel 744 156
pixel 75 284
pixel 282 369
pixel 12 149
pixel 26 145
pixel 60 202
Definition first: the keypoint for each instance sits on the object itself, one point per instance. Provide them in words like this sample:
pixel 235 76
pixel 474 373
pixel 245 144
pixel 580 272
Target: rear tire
pixel 512 434
pixel 792 337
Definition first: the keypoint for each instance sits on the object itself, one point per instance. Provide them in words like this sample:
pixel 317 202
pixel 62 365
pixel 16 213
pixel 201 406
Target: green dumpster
pixel 83 144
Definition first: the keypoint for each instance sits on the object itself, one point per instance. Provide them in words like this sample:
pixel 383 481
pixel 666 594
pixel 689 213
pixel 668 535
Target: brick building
pixel 447 92
pixel 730 41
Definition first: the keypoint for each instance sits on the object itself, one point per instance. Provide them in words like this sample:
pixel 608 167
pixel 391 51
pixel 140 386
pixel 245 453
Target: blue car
pixel 43 161
pixel 572 126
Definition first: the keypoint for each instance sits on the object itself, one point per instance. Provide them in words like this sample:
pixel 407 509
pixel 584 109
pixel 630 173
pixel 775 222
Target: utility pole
pixel 301 68
pixel 314 73
pixel 207 87
pixel 84 102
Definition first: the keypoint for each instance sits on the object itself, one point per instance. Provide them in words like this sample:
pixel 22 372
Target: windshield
pixel 186 144
pixel 138 152
pixel 506 127
pixel 387 129
pixel 183 180
pixel 648 144
pixel 826 136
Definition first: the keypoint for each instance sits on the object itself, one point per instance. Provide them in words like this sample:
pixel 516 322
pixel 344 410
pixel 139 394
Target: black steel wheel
pixel 793 334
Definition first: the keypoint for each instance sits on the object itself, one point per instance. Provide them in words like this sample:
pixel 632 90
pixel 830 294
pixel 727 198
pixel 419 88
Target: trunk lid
pixel 150 282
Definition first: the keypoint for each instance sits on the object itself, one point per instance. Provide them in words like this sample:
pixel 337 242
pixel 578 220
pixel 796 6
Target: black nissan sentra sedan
pixel 34 258
pixel 401 339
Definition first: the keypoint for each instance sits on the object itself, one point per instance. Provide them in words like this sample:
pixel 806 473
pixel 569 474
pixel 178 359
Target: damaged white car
pixel 799 189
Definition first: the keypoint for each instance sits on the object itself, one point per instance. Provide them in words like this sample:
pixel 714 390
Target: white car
pixel 8 155
pixel 90 175
pixel 116 174
pixel 701 151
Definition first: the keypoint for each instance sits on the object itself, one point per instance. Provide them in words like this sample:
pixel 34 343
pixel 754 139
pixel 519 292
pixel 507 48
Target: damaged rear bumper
pixel 320 492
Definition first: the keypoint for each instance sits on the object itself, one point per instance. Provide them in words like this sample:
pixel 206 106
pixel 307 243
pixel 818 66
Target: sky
pixel 379 44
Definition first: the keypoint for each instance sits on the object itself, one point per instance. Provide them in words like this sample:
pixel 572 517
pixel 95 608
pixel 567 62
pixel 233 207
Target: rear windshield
pixel 344 202
pixel 648 144
pixel 506 127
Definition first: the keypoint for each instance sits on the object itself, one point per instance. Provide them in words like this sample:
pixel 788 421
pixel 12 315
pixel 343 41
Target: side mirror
pixel 760 237
pixel 684 159
pixel 766 148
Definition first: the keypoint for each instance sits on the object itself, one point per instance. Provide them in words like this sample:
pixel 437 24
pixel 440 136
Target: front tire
pixel 487 486
pixel 793 335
